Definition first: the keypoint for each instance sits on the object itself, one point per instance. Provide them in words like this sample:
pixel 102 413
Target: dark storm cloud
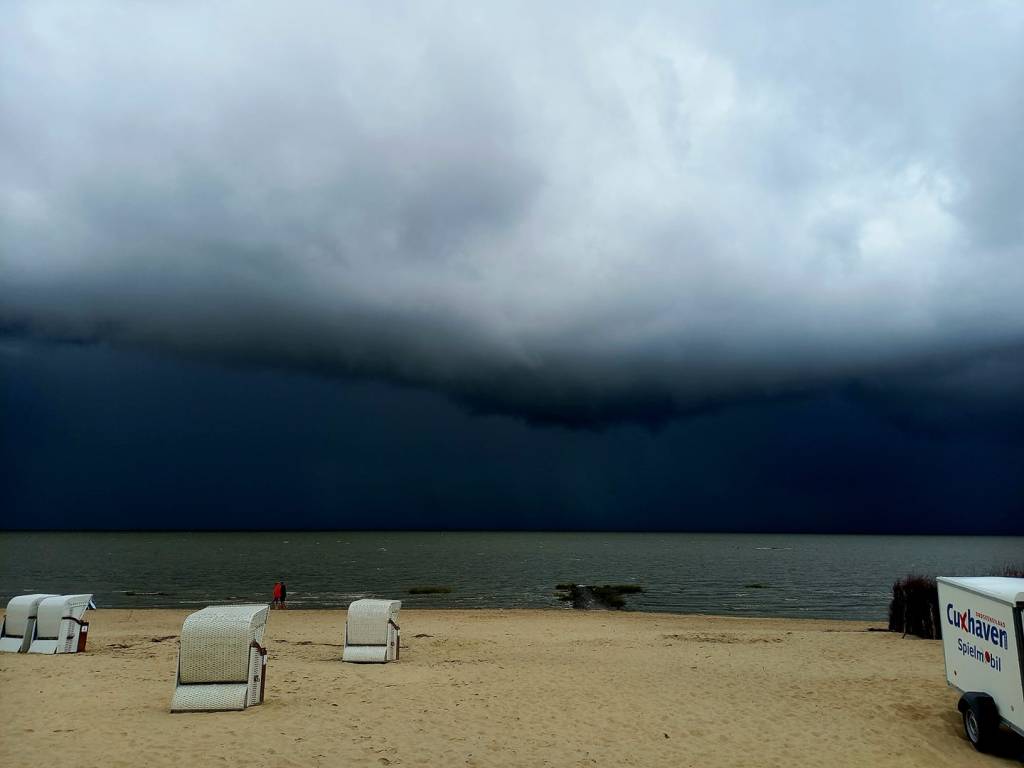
pixel 576 213
pixel 96 437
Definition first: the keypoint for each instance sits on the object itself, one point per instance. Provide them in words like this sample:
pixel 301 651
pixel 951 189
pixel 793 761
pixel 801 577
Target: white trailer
pixel 983 644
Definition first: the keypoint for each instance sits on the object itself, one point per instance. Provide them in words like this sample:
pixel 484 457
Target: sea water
pixel 846 577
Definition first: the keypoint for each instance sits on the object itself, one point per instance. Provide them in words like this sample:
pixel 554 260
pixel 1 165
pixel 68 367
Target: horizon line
pixel 516 530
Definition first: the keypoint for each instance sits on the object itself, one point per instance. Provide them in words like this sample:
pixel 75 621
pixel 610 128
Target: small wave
pixel 332 597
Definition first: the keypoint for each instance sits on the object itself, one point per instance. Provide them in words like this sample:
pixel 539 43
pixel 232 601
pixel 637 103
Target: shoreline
pixel 117 613
pixel 494 687
pixel 870 625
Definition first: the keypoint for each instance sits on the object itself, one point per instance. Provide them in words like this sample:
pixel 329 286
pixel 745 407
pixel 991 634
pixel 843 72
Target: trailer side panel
pixel 981 644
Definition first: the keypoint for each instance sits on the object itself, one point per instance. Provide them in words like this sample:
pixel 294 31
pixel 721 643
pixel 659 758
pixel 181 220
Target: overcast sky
pixel 575 214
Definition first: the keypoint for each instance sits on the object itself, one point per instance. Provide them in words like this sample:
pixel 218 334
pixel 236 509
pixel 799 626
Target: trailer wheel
pixel 979 726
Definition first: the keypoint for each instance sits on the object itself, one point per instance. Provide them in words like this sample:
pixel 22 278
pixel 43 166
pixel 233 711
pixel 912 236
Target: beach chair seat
pixel 221 659
pixel 372 634
pixel 19 627
pixel 59 624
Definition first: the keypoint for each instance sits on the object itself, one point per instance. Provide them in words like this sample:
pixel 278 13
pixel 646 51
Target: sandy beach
pixel 489 688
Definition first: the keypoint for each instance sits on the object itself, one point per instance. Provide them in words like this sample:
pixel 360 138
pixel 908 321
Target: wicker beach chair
pixel 372 633
pixel 59 626
pixel 222 663
pixel 19 627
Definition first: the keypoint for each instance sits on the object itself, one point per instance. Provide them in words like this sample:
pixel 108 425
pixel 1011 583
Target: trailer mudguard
pixel 981 701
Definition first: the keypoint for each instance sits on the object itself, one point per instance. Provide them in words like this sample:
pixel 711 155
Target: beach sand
pixel 489 688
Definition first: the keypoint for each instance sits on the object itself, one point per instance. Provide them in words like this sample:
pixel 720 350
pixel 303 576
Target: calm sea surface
pixel 809 576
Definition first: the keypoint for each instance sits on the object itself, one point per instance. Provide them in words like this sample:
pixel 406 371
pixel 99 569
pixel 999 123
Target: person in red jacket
pixel 277 595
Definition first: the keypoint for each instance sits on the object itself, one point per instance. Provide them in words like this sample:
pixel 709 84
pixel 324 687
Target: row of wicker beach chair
pixel 222 662
pixel 45 624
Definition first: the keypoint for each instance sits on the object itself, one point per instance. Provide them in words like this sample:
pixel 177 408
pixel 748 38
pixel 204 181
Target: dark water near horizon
pixel 801 575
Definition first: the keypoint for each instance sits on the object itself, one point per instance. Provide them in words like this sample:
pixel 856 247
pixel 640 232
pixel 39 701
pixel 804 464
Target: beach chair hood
pixel 19 625
pixel 221 659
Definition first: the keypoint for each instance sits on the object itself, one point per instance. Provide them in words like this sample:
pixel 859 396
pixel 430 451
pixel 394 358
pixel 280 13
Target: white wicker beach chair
pixel 372 633
pixel 59 626
pixel 222 663
pixel 19 627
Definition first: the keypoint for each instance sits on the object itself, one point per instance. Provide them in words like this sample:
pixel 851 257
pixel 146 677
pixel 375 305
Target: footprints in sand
pixel 140 643
pixel 721 637
pixel 310 642
pixel 141 646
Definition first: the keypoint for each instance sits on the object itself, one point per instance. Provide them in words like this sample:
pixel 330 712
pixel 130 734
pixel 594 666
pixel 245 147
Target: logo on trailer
pixel 983 627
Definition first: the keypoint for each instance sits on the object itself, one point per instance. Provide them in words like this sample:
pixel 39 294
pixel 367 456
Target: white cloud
pixel 519 203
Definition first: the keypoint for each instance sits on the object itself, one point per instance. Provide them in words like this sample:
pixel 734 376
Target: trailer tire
pixel 981 722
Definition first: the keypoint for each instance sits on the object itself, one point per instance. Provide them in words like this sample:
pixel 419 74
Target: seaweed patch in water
pixel 588 597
